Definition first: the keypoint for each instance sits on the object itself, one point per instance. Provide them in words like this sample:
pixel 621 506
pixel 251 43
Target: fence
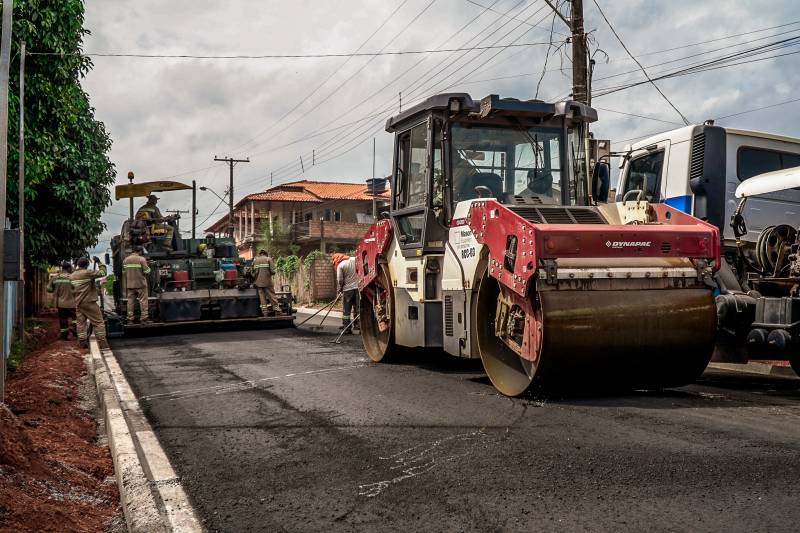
pixel 319 283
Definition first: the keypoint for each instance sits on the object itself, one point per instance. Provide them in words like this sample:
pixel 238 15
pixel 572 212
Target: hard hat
pixel 338 258
pixel 201 248
pixel 152 197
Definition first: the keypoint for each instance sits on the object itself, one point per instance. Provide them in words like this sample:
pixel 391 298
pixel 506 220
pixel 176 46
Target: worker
pixel 347 282
pixel 263 270
pixel 149 211
pixel 83 288
pixel 61 288
pixel 136 270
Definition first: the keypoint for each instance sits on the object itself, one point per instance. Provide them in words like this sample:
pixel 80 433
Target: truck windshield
pixel 507 161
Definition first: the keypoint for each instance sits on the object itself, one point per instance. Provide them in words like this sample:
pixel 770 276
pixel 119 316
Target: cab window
pixel 412 160
pixel 644 174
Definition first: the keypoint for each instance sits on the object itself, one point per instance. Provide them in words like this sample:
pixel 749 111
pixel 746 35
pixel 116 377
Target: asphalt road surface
pixel 281 430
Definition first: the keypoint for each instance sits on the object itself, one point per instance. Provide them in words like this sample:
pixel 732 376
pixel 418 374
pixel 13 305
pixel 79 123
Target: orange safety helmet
pixel 338 258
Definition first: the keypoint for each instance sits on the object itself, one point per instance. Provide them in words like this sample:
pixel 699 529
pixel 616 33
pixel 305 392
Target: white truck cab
pixel 697 169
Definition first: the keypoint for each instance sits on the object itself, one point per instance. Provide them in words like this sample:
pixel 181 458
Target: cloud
pixel 170 116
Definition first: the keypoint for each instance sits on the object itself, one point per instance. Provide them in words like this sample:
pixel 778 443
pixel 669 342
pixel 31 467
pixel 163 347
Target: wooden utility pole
pixel 231 163
pixel 21 202
pixel 5 62
pixel 194 207
pixel 580 74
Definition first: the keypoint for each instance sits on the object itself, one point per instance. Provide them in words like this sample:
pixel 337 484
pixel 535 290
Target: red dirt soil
pixel 54 476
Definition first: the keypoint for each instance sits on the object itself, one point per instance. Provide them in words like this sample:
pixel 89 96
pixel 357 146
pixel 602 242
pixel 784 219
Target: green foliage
pixel 67 167
pixel 109 284
pixel 308 262
pixel 277 240
pixel 18 349
pixel 287 265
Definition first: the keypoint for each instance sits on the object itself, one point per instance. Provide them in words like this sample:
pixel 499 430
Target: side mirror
pixel 739 226
pixel 483 191
pixel 601 181
pixel 108 258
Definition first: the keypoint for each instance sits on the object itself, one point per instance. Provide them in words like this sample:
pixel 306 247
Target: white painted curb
pixel 152 496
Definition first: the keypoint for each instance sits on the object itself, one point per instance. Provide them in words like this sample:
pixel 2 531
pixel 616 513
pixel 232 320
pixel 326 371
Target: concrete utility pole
pixel 231 163
pixel 21 202
pixel 5 62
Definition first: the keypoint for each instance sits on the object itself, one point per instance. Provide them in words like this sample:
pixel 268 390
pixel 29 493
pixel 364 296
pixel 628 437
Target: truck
pixel 491 249
pixel 192 281
pixel 699 169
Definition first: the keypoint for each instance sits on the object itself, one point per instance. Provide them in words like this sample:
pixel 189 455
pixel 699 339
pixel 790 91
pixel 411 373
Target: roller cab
pixel 492 251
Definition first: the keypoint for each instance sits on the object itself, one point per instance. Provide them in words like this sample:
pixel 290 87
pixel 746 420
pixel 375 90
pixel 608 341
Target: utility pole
pixel 21 201
pixel 374 189
pixel 5 62
pixel 231 163
pixel 580 74
pixel 194 208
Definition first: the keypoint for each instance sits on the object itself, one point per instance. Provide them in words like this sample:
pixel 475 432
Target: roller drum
pixel 628 338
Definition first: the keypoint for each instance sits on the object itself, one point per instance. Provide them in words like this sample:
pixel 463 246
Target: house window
pixel 337 216
pixel 331 215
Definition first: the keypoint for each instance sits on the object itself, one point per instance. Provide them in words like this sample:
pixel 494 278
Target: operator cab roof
pixel 492 105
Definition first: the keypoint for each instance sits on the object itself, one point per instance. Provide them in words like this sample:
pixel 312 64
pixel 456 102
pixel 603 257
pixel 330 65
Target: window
pixel 644 174
pixel 411 228
pixel 337 216
pixel 412 161
pixel 506 161
pixel 327 215
pixel 438 169
pixel 754 161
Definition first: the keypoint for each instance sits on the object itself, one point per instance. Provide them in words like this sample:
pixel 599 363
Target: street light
pixel 221 199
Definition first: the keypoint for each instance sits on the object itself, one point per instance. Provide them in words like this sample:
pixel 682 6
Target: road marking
pixel 422 458
pixel 241 385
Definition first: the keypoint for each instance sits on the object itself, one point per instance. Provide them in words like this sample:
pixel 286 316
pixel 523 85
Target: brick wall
pixel 323 279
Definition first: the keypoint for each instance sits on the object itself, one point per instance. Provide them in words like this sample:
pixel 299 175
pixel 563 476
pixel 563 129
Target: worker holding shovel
pixel 347 282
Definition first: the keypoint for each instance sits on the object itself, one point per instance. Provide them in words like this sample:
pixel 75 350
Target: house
pixel 315 215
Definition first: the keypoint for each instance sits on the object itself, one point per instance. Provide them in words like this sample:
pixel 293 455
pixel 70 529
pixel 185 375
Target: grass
pixel 19 346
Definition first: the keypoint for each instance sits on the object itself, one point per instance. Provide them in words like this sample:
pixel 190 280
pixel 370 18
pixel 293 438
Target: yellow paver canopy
pixel 136 190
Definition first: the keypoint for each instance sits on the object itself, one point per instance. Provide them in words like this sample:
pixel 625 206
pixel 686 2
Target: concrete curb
pixel 152 497
pixel 311 311
pixel 764 369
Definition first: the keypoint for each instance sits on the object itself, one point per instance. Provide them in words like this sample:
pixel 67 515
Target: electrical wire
pixel 614 31
pixel 551 31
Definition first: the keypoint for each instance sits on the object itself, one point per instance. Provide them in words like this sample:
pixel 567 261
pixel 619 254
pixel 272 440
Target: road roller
pixel 493 249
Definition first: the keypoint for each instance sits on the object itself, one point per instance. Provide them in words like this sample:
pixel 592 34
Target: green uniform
pixel 263 270
pixel 86 308
pixel 61 288
pixel 135 269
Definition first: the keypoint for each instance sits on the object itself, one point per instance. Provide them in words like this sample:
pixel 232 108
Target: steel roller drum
pixel 637 338
pixel 601 340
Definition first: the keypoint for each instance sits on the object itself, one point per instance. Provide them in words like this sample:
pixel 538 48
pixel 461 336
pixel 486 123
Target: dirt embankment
pixel 54 474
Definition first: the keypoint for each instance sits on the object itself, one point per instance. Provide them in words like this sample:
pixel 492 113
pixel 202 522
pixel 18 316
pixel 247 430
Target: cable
pixel 319 86
pixel 710 65
pixel 614 31
pixel 384 108
pixel 550 30
pixel 279 56
pixel 758 109
pixel 638 116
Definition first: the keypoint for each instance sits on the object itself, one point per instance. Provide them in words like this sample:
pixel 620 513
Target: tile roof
pixel 307 191
pixel 315 191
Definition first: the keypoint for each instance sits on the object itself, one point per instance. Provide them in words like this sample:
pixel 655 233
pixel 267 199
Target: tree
pixel 277 238
pixel 68 171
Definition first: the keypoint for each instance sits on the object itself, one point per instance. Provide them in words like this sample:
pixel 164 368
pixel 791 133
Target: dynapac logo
pixel 628 244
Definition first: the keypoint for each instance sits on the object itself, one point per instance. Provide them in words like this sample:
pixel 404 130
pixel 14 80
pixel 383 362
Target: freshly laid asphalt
pixel 282 430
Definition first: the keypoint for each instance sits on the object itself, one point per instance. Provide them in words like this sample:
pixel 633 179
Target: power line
pixel 551 31
pixel 715 64
pixel 614 31
pixel 283 56
pixel 326 80
pixel 753 110
pixel 385 107
pixel 638 116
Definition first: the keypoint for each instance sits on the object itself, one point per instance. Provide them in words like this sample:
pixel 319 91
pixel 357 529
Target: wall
pixel 318 284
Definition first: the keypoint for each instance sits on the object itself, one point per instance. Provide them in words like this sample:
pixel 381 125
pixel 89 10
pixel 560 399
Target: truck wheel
pixel 377 318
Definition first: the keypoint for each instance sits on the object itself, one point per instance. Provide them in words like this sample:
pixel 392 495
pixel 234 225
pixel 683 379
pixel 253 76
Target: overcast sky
pixel 170 117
